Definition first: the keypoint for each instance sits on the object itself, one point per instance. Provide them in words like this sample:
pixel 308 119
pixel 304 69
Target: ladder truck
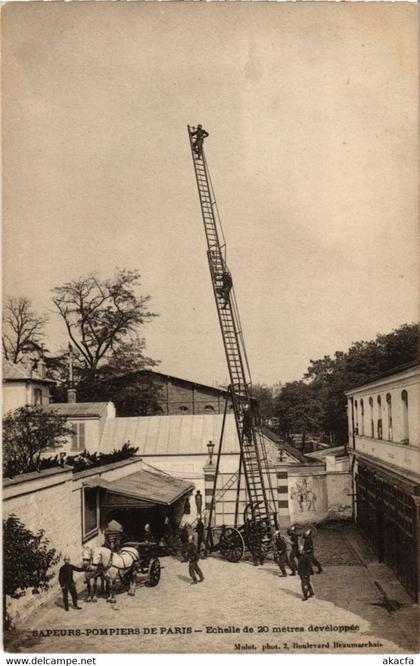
pixel 258 531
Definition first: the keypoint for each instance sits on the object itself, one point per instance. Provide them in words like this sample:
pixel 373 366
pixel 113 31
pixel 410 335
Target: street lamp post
pixel 210 447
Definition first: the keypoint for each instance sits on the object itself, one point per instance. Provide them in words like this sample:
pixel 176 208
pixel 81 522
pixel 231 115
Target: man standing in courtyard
pixel 199 528
pixel 305 570
pixel 281 555
pixel 193 557
pixel 65 577
pixel 308 549
pixel 294 541
pixel 198 502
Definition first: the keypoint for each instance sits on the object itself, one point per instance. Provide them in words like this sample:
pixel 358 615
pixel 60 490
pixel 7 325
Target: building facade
pixel 384 442
pixel 304 490
pixel 24 384
pixel 166 394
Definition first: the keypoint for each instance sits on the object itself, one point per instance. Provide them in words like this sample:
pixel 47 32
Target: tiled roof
pixel 76 409
pixel 174 435
pixel 155 374
pixel 19 372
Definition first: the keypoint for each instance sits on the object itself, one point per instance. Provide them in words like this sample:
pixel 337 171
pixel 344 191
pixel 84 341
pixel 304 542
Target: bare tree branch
pixel 22 327
pixel 102 315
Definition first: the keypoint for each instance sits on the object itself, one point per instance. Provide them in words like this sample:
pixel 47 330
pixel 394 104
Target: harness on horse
pixel 126 552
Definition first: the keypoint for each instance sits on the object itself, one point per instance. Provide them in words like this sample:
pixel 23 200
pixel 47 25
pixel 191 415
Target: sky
pixel 312 114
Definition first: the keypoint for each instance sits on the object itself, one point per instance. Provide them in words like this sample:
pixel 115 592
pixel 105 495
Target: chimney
pixel 71 395
pixel 41 368
pixel 71 391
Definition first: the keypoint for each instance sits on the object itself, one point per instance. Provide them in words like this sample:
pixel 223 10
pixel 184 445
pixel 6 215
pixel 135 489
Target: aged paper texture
pixel 129 131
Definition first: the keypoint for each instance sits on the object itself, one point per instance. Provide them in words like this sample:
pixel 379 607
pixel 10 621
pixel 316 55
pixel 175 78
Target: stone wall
pixel 52 500
pixel 320 492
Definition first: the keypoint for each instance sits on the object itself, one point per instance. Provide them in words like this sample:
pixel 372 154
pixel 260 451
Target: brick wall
pixel 178 397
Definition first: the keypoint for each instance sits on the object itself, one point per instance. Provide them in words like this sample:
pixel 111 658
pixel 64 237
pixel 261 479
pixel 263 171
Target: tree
pixel 27 562
pixel 330 377
pixel 298 410
pixel 22 328
pixel 102 319
pixel 264 397
pixel 133 394
pixel 27 432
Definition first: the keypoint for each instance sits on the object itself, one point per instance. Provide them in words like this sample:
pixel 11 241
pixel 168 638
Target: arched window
pixel 158 410
pixel 356 418
pixel 379 401
pixel 406 432
pixel 372 426
pixel 362 417
pixel 209 409
pixel 389 415
pixel 183 408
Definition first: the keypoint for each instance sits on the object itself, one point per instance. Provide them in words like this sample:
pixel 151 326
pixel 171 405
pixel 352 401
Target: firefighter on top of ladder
pixel 199 135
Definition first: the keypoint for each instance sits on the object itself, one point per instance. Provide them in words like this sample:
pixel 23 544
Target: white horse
pixel 115 567
pixel 92 574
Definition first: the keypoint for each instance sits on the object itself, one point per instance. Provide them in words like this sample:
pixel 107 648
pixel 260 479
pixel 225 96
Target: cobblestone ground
pixel 240 607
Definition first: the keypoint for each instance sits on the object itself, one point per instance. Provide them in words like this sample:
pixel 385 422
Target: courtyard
pixel 359 607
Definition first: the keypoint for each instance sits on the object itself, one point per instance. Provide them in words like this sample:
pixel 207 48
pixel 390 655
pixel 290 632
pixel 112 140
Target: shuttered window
pixel 78 436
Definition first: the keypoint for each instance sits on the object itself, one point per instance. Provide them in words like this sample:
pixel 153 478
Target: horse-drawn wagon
pixel 147 569
pixel 135 562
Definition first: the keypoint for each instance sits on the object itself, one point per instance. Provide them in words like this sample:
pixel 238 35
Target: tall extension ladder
pixel 253 454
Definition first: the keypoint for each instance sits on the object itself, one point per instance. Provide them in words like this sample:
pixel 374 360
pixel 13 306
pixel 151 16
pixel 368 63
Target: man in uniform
pixel 184 535
pixel 148 534
pixel 198 502
pixel 281 555
pixel 225 288
pixel 65 578
pixel 294 540
pixel 247 423
pixel 193 557
pixel 199 134
pixel 308 549
pixel 305 572
pixel 199 528
pixel 256 544
pixel 167 534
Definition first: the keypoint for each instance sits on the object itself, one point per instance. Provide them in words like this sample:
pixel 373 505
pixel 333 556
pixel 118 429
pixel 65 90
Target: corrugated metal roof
pixel 80 409
pixel 170 435
pixel 175 435
pixel 147 486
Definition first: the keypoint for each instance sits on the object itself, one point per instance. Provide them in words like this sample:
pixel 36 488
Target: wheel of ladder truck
pixel 231 545
pixel 154 573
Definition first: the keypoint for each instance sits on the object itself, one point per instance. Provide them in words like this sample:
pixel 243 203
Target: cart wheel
pixel 231 544
pixel 154 573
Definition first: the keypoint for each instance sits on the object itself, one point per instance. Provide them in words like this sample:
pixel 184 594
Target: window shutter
pixel 73 428
pixel 82 436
